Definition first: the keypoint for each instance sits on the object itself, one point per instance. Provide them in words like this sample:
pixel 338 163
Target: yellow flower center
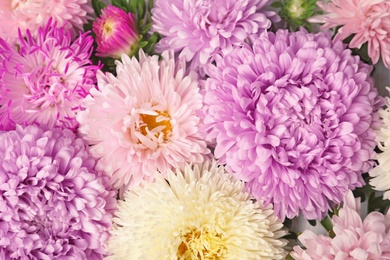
pixel 205 244
pixel 108 28
pixel 150 122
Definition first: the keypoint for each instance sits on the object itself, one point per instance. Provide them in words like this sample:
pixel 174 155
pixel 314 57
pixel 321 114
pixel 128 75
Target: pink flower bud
pixel 116 32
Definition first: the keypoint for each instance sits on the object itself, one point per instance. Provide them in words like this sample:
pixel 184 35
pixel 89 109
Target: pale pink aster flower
pixel 199 30
pixel 354 238
pixel 46 80
pixel 116 33
pixel 144 119
pixel 367 20
pixel 31 14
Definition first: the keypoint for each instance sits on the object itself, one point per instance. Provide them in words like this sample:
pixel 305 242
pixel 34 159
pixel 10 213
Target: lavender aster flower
pixel 201 29
pixel 53 205
pixel 292 116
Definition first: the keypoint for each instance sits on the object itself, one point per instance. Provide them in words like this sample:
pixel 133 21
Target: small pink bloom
pixel 354 238
pixel 369 20
pixel 116 32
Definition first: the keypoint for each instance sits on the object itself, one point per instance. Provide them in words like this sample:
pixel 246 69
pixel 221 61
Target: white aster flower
pixel 200 213
pixel 381 173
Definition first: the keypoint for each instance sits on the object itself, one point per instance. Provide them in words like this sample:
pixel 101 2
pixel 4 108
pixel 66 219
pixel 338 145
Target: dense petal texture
pixel 115 31
pixel 354 238
pixel 381 173
pixel 53 205
pixel 199 30
pixel 144 119
pixel 31 14
pixel 367 20
pixel 292 116
pixel 198 213
pixel 45 81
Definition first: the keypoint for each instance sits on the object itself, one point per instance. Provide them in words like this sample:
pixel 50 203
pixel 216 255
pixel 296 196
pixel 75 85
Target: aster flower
pixel 367 20
pixel 144 119
pixel 115 33
pixel 354 238
pixel 198 213
pixel 46 80
pixel 381 173
pixel 292 116
pixel 32 14
pixel 54 205
pixel 199 30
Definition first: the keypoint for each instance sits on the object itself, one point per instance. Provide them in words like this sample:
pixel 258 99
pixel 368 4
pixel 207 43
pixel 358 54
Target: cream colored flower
pixel 199 213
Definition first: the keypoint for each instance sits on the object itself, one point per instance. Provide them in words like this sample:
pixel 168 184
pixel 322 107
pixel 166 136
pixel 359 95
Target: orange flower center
pixel 150 122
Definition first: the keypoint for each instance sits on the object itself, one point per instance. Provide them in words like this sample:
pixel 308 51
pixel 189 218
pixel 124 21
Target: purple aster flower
pixel 199 30
pixel 53 205
pixel 292 116
pixel 46 80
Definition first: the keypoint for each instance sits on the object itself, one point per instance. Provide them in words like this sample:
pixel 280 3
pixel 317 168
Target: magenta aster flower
pixel 46 80
pixel 116 32
pixel 354 238
pixel 53 205
pixel 199 30
pixel 291 115
pixel 367 20
pixel 143 120
pixel 31 14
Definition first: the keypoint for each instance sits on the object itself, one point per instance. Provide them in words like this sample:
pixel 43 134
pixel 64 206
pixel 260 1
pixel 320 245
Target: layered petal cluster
pixel 354 238
pixel 381 172
pixel 53 204
pixel 45 81
pixel 31 14
pixel 116 32
pixel 200 212
pixel 367 20
pixel 292 116
pixel 144 119
pixel 199 30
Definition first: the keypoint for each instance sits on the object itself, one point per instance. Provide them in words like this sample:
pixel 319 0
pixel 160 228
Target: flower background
pixel 194 129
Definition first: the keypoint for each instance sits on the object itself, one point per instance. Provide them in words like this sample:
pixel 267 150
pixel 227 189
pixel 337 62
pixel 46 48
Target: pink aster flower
pixel 31 14
pixel 292 116
pixel 144 119
pixel 354 238
pixel 367 20
pixel 53 204
pixel 199 30
pixel 46 80
pixel 116 32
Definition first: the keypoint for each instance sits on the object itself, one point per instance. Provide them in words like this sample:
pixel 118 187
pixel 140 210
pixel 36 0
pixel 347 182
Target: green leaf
pixel 97 6
pixel 378 204
pixel 327 223
pixel 289 257
pixel 141 9
pixel 277 5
